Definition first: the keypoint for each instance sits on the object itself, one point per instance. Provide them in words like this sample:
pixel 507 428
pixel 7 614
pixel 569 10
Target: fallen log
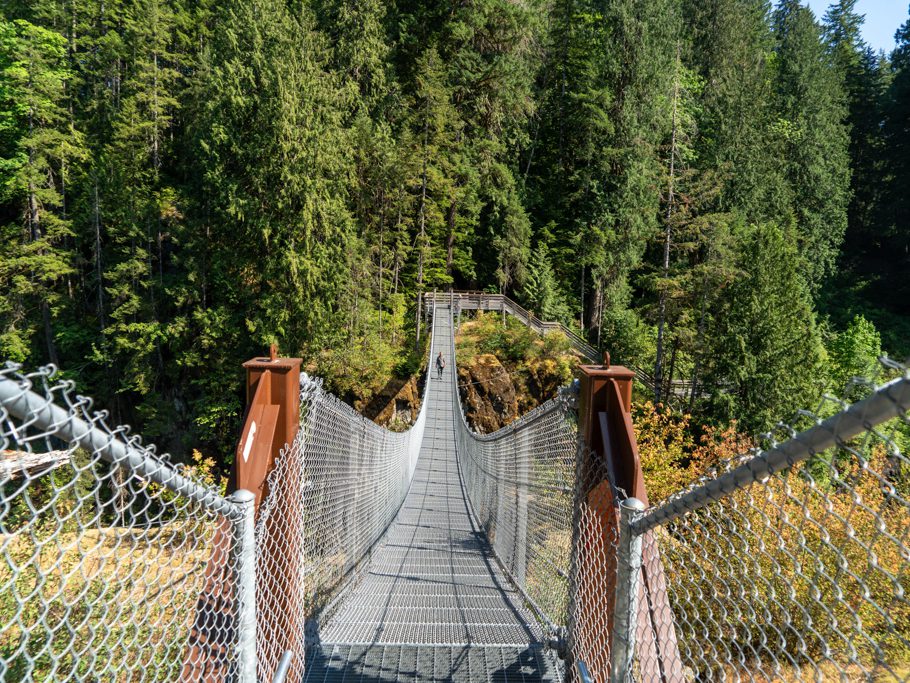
pixel 16 464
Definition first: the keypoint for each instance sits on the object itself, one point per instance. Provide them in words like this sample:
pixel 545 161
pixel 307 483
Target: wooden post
pixel 272 422
pixel 272 419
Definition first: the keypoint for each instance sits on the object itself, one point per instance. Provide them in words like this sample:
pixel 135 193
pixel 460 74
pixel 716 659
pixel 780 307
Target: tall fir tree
pixel 600 154
pixel 863 82
pixel 730 46
pixel 273 231
pixel 812 128
pixel 766 355
pixel 138 203
pixel 894 284
pixel 40 149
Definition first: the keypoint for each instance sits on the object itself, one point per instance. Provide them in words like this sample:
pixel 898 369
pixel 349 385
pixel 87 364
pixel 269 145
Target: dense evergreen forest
pixel 715 189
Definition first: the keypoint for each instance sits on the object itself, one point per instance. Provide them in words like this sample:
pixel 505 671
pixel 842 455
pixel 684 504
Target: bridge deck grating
pixel 432 603
pixel 424 663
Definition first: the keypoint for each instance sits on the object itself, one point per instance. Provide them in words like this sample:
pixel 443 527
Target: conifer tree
pixel 39 147
pixel 766 355
pixel 273 233
pixel 680 154
pixel 730 44
pixel 812 127
pixel 566 156
pixel 138 199
pixel 541 293
pixel 603 163
pixel 863 83
pixel 895 207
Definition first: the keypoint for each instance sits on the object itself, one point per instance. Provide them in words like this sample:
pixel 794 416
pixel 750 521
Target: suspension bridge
pixel 346 552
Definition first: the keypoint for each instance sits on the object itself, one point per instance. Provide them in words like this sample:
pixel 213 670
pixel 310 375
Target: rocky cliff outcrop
pixel 397 405
pixel 487 393
pixel 542 380
pixel 504 373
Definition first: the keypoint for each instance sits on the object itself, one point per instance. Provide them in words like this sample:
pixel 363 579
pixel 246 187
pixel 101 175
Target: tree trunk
pixel 699 350
pixel 381 253
pixel 155 157
pixel 450 242
pixel 582 300
pixel 668 389
pixel 96 219
pixel 423 218
pixel 34 220
pixel 668 236
pixel 597 309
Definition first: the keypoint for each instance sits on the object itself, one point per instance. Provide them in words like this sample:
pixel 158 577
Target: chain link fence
pixel 788 562
pixel 114 563
pixel 547 507
pixel 791 561
pixel 520 483
pixel 332 495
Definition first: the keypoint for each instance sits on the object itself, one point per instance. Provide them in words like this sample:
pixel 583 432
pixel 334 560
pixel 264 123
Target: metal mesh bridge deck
pixel 433 603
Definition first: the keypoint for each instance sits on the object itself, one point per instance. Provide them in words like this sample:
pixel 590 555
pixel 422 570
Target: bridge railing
pixel 546 503
pixel 674 393
pixel 106 547
pixel 520 482
pixel 485 301
pixel 790 562
pixel 333 492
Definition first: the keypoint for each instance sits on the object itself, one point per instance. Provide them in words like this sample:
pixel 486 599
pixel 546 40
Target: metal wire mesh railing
pixel 791 561
pixel 106 548
pixel 332 494
pixel 520 483
pixel 545 505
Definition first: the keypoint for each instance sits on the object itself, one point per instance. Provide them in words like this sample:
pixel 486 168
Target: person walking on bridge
pixel 440 365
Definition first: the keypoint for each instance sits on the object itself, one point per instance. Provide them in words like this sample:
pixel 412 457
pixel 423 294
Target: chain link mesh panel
pixel 791 562
pixel 101 568
pixel 332 494
pixel 594 564
pixel 548 507
pixel 520 483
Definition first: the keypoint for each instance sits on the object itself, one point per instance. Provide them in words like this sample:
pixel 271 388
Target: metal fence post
pixel 244 549
pixel 628 569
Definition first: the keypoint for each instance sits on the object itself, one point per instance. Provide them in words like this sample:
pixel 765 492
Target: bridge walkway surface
pixel 432 603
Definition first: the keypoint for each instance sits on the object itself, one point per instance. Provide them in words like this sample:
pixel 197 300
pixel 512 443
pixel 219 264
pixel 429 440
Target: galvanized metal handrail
pixel 888 402
pixel 465 300
pixel 27 416
pixel 17 398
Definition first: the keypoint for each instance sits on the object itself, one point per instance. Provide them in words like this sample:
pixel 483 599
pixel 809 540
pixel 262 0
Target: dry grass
pixel 112 598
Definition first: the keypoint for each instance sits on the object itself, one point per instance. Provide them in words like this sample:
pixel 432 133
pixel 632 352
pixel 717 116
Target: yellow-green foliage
pixel 518 347
pixel 97 570
pixel 360 369
pixel 798 562
pixel 788 566
pixel 664 445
